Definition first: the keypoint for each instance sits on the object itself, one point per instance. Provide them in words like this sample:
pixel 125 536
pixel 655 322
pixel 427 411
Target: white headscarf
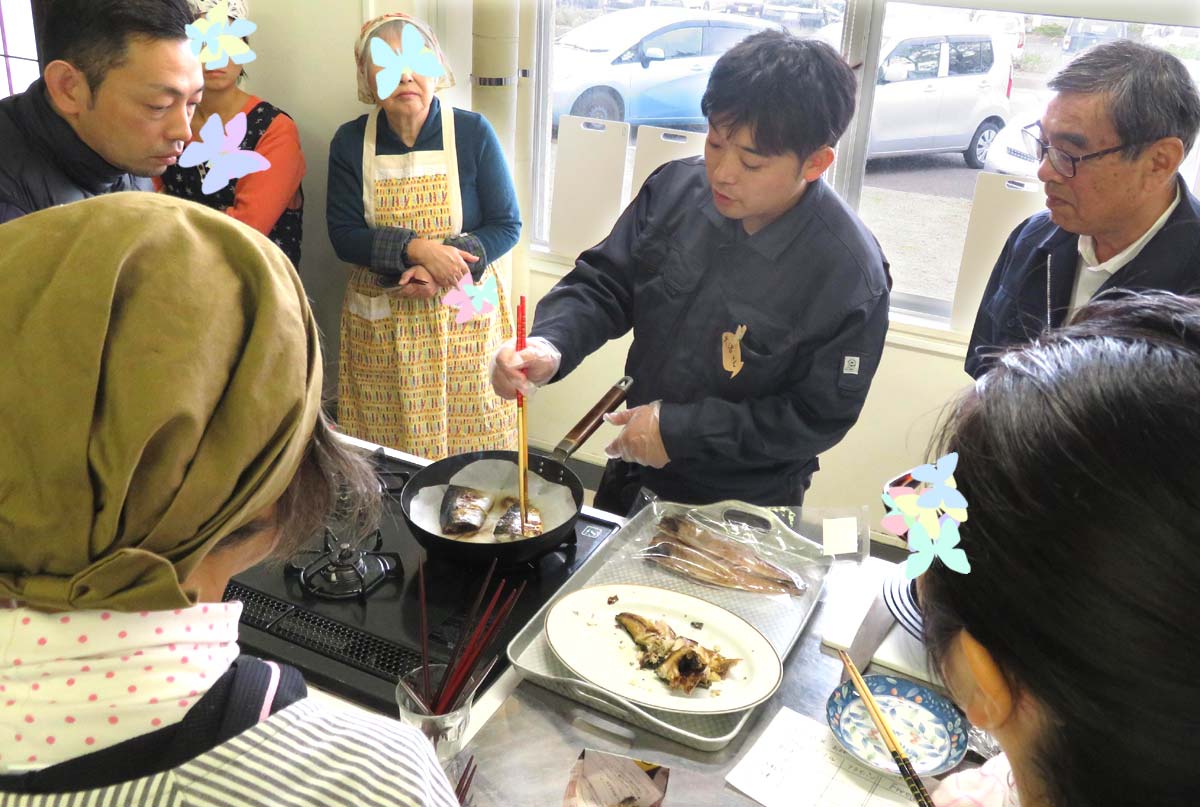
pixel 362 54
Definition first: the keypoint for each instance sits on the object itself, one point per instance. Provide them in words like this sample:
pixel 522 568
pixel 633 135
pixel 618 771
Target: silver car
pixel 941 92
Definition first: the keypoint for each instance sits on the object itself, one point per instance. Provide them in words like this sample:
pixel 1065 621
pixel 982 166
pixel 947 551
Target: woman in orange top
pixel 270 201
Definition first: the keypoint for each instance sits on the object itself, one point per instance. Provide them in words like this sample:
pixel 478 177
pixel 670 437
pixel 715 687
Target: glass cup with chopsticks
pixel 447 730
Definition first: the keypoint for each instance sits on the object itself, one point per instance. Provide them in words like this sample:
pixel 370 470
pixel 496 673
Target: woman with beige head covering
pixel 161 381
pixel 420 200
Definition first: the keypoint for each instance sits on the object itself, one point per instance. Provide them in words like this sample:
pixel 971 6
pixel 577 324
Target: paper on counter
pixel 839 536
pixel 599 779
pixel 797 762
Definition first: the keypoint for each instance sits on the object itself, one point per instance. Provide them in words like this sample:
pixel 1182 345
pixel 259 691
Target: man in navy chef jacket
pixel 758 300
pixel 1110 144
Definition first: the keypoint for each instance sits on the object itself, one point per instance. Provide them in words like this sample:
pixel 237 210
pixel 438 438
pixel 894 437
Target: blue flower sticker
pixel 215 39
pixel 414 57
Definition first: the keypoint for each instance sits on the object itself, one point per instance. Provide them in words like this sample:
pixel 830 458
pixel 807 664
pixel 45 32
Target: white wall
pixel 305 66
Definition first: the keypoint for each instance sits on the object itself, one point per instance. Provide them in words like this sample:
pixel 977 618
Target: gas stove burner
pixel 345 569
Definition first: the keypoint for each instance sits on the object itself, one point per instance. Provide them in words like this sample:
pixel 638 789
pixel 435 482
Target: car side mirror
pixel 897 70
pixel 653 55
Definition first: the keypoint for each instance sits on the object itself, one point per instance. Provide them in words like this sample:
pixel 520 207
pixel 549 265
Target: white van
pixel 941 92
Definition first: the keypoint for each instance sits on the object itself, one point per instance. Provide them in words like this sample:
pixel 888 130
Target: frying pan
pixel 551 468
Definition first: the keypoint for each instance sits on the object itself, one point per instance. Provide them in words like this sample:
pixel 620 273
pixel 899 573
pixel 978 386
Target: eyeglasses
pixel 1064 164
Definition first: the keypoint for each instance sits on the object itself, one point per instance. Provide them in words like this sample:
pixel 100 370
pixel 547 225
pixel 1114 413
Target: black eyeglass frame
pixel 1044 148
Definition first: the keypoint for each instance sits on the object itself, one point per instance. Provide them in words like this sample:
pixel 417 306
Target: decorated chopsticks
pixel 467 666
pixel 915 786
pixel 522 433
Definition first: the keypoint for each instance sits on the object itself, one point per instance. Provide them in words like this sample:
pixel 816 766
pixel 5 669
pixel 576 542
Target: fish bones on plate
pixel 681 662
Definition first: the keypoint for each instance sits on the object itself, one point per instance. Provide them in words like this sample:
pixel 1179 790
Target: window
pixel 969 56
pixel 720 38
pixel 18 48
pixel 916 58
pixel 676 43
pixel 971 78
pixel 928 138
pixel 597 67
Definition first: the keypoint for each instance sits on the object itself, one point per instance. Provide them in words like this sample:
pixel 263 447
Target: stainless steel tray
pixel 781 619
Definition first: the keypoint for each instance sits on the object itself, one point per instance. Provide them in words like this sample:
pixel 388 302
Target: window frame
pixel 862 39
pixel 36 16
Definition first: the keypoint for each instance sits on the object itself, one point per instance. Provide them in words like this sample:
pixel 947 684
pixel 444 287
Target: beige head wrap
pixel 362 54
pixel 160 377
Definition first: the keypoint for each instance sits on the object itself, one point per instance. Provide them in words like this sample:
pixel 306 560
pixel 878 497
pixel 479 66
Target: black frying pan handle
pixel 586 427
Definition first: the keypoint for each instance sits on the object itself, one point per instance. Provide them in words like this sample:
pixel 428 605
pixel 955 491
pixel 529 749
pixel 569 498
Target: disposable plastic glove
pixel 640 442
pixel 523 372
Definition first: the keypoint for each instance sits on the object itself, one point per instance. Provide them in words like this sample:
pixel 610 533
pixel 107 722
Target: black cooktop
pixel 358 647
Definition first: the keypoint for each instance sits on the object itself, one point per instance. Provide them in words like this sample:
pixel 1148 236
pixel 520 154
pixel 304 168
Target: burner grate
pixel 311 631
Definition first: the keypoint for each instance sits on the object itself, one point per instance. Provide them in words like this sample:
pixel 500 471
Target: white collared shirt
pixel 1091 273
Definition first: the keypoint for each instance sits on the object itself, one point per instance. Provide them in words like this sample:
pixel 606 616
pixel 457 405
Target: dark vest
pixel 185 183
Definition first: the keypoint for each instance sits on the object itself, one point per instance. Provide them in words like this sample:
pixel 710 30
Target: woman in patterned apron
pixel 418 197
pixel 270 201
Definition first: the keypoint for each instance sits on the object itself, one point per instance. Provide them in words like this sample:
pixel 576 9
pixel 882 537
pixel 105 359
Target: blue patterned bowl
pixel 930 729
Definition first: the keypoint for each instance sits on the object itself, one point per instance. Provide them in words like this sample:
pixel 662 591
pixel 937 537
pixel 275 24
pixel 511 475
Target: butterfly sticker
pixel 472 300
pixel 215 39
pixel 415 57
pixel 924 549
pixel 218 146
pixel 941 493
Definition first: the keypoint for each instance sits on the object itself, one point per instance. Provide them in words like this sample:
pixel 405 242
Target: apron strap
pixel 449 156
pixel 272 688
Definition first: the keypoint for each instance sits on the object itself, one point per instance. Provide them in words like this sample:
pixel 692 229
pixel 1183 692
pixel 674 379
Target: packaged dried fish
pixel 686 548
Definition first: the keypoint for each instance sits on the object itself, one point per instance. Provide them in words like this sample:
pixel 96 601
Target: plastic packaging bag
pixel 728 545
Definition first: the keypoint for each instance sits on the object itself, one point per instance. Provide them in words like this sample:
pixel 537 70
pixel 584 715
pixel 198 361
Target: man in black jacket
pixel 114 104
pixel 757 299
pixel 1120 217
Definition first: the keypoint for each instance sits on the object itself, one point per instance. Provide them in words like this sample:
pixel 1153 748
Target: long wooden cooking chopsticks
pixel 915 786
pixel 522 433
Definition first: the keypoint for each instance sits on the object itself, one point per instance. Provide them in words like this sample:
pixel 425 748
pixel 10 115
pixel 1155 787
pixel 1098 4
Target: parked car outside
pixel 703 5
pixel 808 14
pixel 1082 33
pixel 643 65
pixel 1011 25
pixel 941 92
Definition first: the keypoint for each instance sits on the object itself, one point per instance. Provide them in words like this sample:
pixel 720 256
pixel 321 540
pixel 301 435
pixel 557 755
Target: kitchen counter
pixel 532 736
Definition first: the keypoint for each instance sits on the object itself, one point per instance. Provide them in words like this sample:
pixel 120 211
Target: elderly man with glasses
pixel 1118 214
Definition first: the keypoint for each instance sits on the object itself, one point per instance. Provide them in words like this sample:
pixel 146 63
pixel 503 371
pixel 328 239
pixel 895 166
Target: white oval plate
pixel 583 632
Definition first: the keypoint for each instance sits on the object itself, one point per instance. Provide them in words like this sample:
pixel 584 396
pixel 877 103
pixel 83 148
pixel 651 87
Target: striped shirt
pixel 307 755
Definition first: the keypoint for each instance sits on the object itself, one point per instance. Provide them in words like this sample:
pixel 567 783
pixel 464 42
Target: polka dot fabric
pixel 77 682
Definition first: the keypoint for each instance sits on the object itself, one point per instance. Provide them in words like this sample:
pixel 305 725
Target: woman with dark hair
pixel 1073 639
pixel 270 201
pixel 161 433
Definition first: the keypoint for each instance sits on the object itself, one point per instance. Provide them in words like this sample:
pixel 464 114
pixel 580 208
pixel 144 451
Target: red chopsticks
pixel 425 688
pixel 463 788
pixel 478 635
